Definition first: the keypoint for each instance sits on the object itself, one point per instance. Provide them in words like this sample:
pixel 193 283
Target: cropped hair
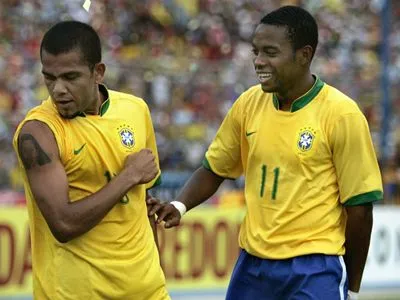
pixel 302 29
pixel 70 35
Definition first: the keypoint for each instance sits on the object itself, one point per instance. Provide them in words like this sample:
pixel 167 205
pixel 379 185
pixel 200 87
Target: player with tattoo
pixel 88 156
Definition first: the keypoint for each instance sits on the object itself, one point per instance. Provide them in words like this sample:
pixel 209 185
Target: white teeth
pixel 264 76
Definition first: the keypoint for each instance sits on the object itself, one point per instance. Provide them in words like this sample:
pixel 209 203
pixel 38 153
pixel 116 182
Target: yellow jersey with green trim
pixel 301 168
pixel 118 258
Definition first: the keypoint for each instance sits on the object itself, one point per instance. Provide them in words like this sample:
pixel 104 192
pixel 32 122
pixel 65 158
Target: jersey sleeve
pixel 56 128
pixel 223 156
pixel 152 145
pixel 357 169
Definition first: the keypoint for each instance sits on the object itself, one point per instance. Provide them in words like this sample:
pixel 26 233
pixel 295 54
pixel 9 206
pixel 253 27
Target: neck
pixel 97 102
pixel 291 94
pixel 100 97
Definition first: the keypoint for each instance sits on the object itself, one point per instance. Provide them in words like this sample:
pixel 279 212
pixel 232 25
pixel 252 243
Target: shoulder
pixel 338 103
pixel 46 113
pixel 341 112
pixel 41 120
pixel 32 136
pixel 254 92
pixel 251 103
pixel 45 108
pixel 128 101
pixel 36 127
pixel 43 113
pixel 250 97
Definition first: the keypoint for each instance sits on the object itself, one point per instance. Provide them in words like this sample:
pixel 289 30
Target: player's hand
pixel 166 212
pixel 141 166
pixel 153 205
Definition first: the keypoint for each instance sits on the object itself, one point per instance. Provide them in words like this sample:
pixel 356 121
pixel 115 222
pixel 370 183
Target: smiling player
pixel 310 170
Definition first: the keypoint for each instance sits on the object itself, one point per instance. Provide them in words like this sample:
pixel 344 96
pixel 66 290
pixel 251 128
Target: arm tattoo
pixel 31 153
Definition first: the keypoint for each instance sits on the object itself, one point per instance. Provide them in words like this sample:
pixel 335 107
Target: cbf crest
pixel 305 139
pixel 126 136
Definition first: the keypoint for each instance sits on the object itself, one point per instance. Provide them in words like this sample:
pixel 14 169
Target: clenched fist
pixel 141 166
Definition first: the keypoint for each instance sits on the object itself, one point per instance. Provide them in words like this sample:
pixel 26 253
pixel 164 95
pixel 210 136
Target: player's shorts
pixel 308 277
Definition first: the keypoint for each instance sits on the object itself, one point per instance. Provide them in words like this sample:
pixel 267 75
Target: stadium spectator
pixel 201 49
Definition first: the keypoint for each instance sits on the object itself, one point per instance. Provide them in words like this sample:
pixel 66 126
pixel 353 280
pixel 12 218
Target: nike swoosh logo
pixel 250 133
pixel 77 151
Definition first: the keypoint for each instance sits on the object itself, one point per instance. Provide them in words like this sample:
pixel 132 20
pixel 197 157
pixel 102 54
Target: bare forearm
pixel 48 181
pixel 80 216
pixel 358 234
pixel 200 187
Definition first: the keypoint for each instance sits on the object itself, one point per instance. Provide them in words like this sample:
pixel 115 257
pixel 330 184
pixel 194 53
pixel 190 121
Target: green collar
pixel 303 100
pixel 105 105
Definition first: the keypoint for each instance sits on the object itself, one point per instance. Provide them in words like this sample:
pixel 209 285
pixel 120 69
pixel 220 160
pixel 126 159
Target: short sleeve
pixel 357 169
pixel 223 156
pixel 152 145
pixel 56 128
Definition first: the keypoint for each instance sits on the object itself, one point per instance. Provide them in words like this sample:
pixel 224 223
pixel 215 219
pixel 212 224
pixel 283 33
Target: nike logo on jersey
pixel 250 133
pixel 77 151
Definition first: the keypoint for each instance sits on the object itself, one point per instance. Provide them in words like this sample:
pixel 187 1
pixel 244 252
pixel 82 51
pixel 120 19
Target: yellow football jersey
pixel 301 167
pixel 118 258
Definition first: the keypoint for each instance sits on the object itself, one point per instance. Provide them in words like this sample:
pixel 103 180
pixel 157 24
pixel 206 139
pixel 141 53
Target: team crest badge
pixel 306 139
pixel 127 137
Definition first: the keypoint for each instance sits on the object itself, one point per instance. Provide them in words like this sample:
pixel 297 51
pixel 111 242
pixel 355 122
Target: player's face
pixel 274 59
pixel 70 82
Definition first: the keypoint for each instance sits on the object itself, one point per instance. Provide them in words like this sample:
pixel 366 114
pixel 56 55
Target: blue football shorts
pixel 308 277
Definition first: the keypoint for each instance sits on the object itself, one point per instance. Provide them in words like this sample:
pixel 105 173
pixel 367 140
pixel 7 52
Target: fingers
pixel 166 213
pixel 143 155
pixel 173 222
pixel 150 200
pixel 146 150
pixel 153 205
pixel 170 215
pixel 162 214
pixel 151 211
pixel 148 153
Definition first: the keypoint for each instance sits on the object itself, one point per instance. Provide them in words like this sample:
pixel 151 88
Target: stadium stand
pixel 190 60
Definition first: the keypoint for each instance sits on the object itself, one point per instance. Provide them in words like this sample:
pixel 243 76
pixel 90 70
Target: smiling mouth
pixel 64 102
pixel 264 77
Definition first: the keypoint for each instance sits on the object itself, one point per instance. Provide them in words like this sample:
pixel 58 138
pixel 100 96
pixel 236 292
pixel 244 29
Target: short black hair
pixel 302 29
pixel 70 35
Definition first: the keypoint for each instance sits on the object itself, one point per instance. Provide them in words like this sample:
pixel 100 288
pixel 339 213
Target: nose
pixel 259 60
pixel 59 88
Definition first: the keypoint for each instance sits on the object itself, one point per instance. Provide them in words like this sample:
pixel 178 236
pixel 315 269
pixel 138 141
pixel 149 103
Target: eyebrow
pixel 269 47
pixel 47 74
pixel 61 75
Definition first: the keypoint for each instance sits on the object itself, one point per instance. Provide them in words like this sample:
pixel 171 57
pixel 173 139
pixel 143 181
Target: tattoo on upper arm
pixel 31 153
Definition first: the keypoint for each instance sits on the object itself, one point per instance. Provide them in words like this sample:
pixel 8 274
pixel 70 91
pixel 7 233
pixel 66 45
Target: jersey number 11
pixel 264 178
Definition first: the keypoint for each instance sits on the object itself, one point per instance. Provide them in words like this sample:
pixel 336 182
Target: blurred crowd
pixel 190 60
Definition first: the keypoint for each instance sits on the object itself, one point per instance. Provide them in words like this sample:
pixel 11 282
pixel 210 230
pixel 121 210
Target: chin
pixel 268 89
pixel 68 115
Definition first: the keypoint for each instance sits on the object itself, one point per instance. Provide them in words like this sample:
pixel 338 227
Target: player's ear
pixel 99 70
pixel 304 55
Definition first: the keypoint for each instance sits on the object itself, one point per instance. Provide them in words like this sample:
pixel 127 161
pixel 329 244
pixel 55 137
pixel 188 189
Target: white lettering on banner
pixel 383 263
